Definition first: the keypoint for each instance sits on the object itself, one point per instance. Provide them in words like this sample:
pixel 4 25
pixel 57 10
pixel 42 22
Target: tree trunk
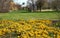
pixel 40 8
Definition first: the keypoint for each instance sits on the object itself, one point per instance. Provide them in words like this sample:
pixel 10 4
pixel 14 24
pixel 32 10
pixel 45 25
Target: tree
pixel 39 4
pixel 34 6
pixel 31 5
pixel 56 5
pixel 23 5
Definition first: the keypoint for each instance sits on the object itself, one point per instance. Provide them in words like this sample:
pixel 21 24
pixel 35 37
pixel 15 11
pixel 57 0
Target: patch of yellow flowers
pixel 29 29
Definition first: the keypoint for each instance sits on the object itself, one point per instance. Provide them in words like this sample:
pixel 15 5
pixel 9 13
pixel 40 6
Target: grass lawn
pixel 16 15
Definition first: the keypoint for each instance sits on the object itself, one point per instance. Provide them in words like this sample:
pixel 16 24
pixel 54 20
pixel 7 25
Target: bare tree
pixel 40 3
pixel 34 7
pixel 56 5
pixel 31 5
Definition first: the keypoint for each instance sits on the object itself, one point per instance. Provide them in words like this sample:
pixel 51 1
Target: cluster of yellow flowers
pixel 29 29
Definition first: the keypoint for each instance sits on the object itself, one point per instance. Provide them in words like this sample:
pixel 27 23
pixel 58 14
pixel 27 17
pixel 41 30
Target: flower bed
pixel 28 29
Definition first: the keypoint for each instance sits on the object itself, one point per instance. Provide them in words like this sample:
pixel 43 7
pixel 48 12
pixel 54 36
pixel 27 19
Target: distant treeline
pixel 32 5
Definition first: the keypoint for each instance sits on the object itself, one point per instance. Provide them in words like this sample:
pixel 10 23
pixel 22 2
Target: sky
pixel 21 1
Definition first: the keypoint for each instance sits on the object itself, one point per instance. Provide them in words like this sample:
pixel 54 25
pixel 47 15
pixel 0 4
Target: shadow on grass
pixel 25 11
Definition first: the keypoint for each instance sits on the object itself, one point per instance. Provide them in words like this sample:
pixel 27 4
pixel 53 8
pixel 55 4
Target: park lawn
pixel 16 15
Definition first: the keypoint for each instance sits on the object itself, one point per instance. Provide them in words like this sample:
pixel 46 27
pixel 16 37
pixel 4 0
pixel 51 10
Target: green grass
pixel 16 15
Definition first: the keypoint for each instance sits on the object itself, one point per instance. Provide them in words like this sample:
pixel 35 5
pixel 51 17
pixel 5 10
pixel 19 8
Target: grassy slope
pixel 16 15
